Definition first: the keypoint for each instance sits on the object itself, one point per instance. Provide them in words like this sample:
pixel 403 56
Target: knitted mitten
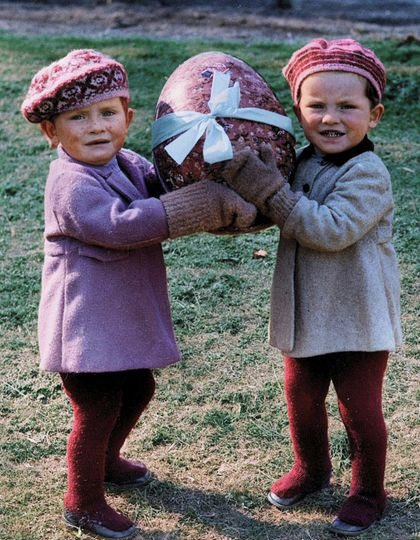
pixel 258 180
pixel 206 206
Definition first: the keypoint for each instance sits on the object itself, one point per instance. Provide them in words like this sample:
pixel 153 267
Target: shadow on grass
pixel 227 516
pixel 216 512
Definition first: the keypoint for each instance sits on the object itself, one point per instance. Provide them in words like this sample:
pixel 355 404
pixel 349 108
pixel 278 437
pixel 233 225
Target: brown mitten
pixel 206 206
pixel 255 178
pixel 259 181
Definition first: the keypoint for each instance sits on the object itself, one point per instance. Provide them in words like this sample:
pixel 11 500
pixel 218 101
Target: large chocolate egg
pixel 189 89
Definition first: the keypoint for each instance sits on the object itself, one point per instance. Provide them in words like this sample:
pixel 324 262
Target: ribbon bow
pixel 190 125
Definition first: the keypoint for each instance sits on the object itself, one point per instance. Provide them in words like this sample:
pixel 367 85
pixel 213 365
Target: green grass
pixel 216 433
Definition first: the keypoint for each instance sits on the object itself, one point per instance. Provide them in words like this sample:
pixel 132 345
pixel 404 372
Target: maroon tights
pixel 106 407
pixel 357 378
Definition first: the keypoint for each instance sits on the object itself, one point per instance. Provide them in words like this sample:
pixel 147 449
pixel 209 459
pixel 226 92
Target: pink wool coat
pixel 104 302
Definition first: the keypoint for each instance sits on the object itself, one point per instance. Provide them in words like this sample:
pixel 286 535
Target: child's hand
pixel 256 179
pixel 206 206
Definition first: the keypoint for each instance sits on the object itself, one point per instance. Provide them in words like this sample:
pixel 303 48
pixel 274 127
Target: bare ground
pixel 215 19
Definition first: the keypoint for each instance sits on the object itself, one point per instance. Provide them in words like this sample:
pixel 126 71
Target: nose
pixel 329 117
pixel 96 125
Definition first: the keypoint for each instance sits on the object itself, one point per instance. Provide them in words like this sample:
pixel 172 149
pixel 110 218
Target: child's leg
pixel 358 379
pixel 306 386
pixel 137 391
pixel 96 401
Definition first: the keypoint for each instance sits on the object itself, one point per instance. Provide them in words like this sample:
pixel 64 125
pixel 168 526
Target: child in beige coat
pixel 335 310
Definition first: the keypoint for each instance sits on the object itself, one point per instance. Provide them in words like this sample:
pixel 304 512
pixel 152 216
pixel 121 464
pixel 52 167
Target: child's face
pixel 335 112
pixel 93 134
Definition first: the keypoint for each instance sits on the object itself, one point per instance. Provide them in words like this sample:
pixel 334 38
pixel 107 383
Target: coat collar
pixel 339 159
pixel 116 173
pixel 103 170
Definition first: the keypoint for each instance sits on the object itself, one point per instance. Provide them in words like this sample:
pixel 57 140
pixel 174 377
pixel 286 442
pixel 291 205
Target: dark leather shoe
pixel 285 502
pixel 88 524
pixel 346 529
pixel 140 481
pixel 289 502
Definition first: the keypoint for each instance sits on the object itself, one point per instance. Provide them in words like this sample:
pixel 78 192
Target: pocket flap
pixel 102 254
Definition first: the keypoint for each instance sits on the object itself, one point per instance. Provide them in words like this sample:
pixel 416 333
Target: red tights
pixel 106 407
pixel 357 378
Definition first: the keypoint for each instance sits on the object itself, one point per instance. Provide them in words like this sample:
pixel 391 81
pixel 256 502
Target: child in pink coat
pixel 104 316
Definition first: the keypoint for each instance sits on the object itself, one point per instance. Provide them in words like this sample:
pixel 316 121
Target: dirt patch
pixel 219 19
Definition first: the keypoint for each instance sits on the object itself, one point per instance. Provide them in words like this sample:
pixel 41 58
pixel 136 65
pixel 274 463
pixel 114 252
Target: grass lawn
pixel 216 433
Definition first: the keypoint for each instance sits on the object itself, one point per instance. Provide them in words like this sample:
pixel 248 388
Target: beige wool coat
pixel 336 284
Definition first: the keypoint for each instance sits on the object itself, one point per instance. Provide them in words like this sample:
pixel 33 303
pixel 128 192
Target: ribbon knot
pixel 190 126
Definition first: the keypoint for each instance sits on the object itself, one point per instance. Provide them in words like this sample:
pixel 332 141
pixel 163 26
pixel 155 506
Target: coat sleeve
pixel 80 207
pixel 361 197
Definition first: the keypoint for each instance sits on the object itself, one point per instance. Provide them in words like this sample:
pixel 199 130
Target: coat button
pixel 306 188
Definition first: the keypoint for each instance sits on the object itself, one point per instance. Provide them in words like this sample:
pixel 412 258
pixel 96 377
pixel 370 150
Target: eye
pixel 347 106
pixel 77 116
pixel 316 106
pixel 107 113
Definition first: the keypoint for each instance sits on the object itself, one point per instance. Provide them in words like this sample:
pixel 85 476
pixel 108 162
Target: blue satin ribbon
pixel 190 126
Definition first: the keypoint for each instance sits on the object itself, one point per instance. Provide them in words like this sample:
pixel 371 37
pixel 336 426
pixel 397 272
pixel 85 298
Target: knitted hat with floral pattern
pixel 335 55
pixel 81 78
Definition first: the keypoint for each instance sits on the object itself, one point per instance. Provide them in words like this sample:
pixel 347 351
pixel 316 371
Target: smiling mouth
pixel 332 134
pixel 94 143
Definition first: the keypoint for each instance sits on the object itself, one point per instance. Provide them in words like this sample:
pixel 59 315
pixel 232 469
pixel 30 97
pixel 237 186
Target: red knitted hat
pixel 335 55
pixel 81 78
